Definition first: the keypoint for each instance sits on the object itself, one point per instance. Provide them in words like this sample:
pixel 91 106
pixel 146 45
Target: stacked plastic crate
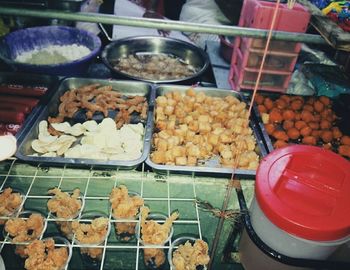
pixel 282 55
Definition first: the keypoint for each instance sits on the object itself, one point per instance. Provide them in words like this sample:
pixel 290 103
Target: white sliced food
pixel 125 156
pixel 44 134
pixel 87 139
pixel 98 140
pixel 113 150
pixel 74 152
pixel 47 138
pixel 40 146
pixel 77 130
pixel 90 125
pixel 88 150
pixel 107 125
pixel 133 146
pixel 92 152
pixel 43 125
pixel 65 141
pixel 113 140
pixel 134 155
pixel 62 127
pixel 53 147
pixel 136 128
pixel 98 155
pixel 49 154
pixel 8 146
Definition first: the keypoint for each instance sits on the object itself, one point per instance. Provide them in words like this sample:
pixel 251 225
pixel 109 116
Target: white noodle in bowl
pixel 54 50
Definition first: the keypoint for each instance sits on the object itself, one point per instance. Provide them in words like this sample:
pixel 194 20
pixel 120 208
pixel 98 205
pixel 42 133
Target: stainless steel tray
pixel 51 82
pixel 263 132
pixel 212 167
pixel 126 87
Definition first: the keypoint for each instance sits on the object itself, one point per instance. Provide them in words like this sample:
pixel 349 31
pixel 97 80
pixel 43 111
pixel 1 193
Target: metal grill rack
pixel 162 193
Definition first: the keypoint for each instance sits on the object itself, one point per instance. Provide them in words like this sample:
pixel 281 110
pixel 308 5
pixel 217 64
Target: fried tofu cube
pixel 161 101
pixel 193 150
pixel 178 151
pixel 162 145
pixel 191 161
pixel 213 139
pixel 204 127
pixel 158 157
pixel 181 161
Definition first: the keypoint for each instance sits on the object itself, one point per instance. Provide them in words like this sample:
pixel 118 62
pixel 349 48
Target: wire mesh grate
pixel 162 193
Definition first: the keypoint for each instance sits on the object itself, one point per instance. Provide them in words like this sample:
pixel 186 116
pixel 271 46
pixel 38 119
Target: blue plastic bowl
pixel 28 39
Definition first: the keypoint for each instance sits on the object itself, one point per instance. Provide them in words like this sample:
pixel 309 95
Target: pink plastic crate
pixel 275 45
pixel 275 60
pixel 246 79
pixel 258 14
pixel 282 55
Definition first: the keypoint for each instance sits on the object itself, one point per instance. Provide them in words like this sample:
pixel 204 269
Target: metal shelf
pixel 162 24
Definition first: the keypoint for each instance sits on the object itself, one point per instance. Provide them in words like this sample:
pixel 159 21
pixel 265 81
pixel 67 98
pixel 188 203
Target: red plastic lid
pixel 305 191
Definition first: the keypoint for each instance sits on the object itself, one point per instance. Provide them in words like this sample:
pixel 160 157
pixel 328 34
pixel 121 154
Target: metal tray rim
pixel 206 169
pixel 130 164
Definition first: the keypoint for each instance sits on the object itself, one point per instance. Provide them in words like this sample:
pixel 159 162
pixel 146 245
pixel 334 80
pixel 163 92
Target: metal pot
pixel 188 52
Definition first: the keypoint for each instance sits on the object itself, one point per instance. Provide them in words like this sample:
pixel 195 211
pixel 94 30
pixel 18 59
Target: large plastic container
pixel 282 55
pixel 301 206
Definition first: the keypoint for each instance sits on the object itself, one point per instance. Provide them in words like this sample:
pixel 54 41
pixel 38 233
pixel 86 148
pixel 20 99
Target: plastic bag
pixel 328 80
pixel 299 85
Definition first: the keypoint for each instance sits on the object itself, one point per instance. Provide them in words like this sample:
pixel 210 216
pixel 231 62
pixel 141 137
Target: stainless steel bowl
pixel 188 52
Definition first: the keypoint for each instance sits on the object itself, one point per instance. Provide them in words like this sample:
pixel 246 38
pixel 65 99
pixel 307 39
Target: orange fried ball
pixel 296 104
pixel 325 124
pixel 270 128
pixel 307 116
pixel 305 131
pixel 286 98
pixel 317 118
pixel 288 115
pixel 309 108
pixel 344 150
pixel 309 140
pixel 281 104
pixel 297 116
pixel 259 99
pixel 300 124
pixel 298 98
pixel 262 109
pixel 288 124
pixel 268 103
pixel 314 125
pixel 275 116
pixel 311 101
pixel 328 114
pixel 280 135
pixel 293 133
pixel 345 140
pixel 316 134
pixel 327 136
pixel 279 144
pixel 336 133
pixel 318 106
pixel 325 100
